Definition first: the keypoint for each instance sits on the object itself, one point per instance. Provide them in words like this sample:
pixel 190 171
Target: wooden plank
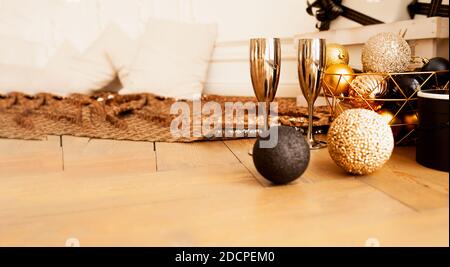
pixel 102 200
pixel 217 213
pixel 401 178
pixel 359 229
pixel 75 191
pixel 240 149
pixel 320 168
pixel 173 156
pixel 100 155
pixel 403 162
pixel 19 157
pixel 407 181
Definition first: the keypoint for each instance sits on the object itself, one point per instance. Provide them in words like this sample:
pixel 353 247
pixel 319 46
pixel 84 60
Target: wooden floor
pixel 70 191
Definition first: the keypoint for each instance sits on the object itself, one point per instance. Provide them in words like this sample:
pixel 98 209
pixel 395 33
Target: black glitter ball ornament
pixel 287 160
pixel 437 64
pixel 408 84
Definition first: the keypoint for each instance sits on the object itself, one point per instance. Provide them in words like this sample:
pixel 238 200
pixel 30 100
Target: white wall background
pixel 50 22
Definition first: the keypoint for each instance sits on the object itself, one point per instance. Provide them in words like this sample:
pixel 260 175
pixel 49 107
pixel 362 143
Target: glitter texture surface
pixel 386 52
pixel 360 141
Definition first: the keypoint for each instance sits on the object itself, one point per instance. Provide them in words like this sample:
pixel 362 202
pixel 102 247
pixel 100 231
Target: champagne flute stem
pixel 266 124
pixel 309 135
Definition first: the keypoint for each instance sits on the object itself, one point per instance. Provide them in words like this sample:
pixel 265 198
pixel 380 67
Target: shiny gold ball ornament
pixel 360 141
pixel 390 118
pixel 386 52
pixel 337 79
pixel 411 121
pixel 336 54
pixel 364 89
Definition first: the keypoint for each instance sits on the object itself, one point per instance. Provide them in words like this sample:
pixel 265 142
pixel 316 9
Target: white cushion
pixel 16 78
pixel 121 50
pixel 16 51
pixel 172 59
pixel 69 72
pixel 57 76
pixel 93 69
pixel 63 57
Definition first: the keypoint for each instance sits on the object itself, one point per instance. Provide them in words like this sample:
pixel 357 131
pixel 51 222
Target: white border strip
pixel 424 94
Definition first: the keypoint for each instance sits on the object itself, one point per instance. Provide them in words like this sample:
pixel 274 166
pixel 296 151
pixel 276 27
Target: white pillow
pixel 16 51
pixel 172 59
pixel 16 78
pixel 19 61
pixel 121 50
pixel 69 72
pixel 57 77
pixel 93 69
pixel 65 55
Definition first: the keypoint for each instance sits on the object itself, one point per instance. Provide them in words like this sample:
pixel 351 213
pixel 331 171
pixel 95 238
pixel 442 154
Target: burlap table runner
pixel 140 117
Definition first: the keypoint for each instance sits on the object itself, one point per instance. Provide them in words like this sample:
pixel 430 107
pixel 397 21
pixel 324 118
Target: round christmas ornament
pixel 286 161
pixel 360 141
pixel 405 86
pixel 437 64
pixel 388 116
pixel 337 79
pixel 365 88
pixel 336 54
pixel 410 120
pixel 386 52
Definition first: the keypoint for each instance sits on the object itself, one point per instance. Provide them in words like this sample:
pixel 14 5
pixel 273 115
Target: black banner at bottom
pixel 209 256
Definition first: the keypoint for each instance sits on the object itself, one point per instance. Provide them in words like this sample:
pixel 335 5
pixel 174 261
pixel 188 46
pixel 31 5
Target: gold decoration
pixel 365 88
pixel 398 104
pixel 337 54
pixel 411 121
pixel 389 117
pixel 360 141
pixel 337 79
pixel 392 120
pixel 386 52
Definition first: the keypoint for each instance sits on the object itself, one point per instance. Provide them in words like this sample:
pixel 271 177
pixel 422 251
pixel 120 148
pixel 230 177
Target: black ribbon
pixel 434 9
pixel 329 10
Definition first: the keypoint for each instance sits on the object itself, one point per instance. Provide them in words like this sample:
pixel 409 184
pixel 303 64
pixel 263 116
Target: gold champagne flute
pixel 265 64
pixel 311 63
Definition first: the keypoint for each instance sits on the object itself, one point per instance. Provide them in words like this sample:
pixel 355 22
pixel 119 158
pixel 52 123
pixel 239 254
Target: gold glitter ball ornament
pixel 336 54
pixel 386 52
pixel 360 141
pixel 365 88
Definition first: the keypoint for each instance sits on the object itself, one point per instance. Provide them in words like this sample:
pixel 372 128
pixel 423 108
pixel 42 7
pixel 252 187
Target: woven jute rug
pixel 140 117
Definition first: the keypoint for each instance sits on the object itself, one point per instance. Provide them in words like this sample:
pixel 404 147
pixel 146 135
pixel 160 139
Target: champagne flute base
pixel 314 145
